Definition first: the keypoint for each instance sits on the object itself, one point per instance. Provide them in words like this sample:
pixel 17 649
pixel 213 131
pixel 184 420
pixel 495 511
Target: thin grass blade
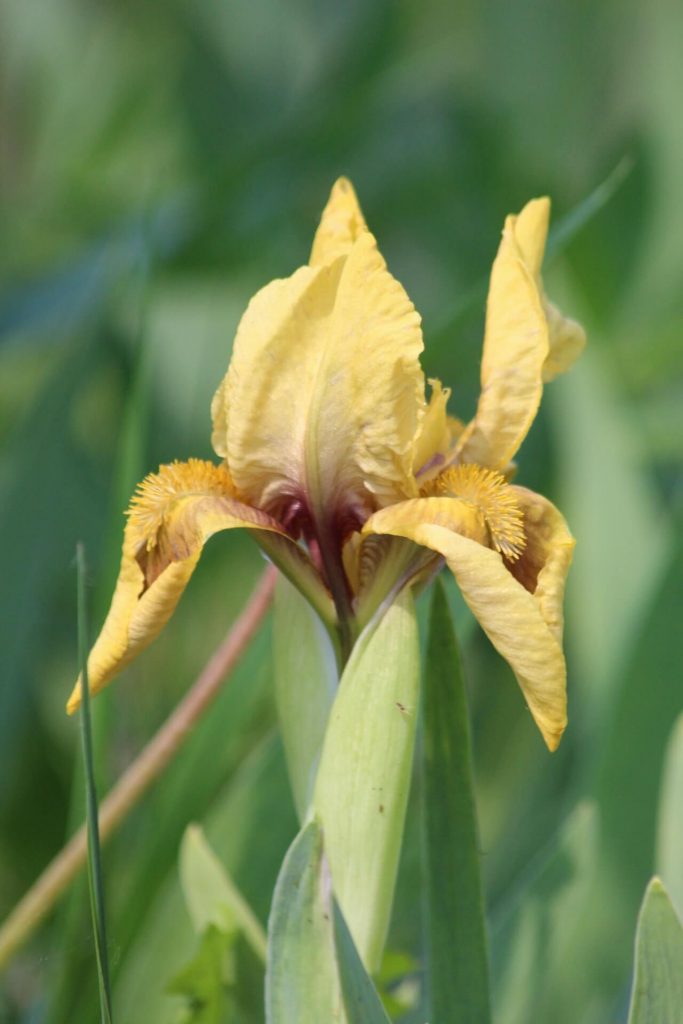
pixel 95 877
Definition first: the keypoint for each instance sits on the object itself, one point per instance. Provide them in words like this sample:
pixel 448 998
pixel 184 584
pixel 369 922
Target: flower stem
pixel 140 775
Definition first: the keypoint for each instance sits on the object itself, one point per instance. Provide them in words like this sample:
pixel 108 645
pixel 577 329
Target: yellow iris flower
pixel 350 479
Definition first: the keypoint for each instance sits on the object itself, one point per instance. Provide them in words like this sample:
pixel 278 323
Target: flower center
pixel 489 492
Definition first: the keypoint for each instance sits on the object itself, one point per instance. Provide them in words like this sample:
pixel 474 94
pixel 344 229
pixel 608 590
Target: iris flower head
pixel 348 470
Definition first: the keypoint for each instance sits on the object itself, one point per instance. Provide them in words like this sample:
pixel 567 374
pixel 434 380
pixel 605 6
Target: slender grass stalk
pixel 140 775
pixel 95 876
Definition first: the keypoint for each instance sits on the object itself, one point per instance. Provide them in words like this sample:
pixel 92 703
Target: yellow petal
pixel 341 224
pixel 567 342
pixel 527 341
pixel 435 437
pixel 324 396
pixel 543 565
pixel 512 617
pixel 516 345
pixel 567 338
pixel 173 514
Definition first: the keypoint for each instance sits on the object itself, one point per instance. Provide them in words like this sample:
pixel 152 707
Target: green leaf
pixel 670 823
pixel 302 983
pixel 211 895
pixel 361 999
pixel 657 996
pixel 206 982
pixel 364 777
pixel 306 681
pixel 456 927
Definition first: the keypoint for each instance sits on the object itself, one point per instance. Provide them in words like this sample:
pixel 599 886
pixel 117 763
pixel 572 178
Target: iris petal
pixel 173 515
pixel 324 396
pixel 522 625
pixel 340 225
pixel 527 342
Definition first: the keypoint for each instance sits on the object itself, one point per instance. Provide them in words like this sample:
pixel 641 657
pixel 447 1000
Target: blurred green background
pixel 159 161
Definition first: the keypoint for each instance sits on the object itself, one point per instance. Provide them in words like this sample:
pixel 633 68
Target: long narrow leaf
pixel 456 930
pixel 361 1000
pixel 302 983
pixel 658 984
pixel 94 859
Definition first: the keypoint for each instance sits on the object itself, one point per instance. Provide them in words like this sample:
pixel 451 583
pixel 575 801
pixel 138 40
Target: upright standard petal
pixel 173 514
pixel 522 623
pixel 340 225
pixel 324 396
pixel 567 337
pixel 516 346
pixel 527 342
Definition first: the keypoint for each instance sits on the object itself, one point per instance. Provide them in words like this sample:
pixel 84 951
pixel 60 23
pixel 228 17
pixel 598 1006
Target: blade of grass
pixel 140 775
pixel 95 878
pixel 456 931
pixel 559 237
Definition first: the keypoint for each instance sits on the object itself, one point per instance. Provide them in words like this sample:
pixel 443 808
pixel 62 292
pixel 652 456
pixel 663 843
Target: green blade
pixel 670 820
pixel 211 895
pixel 657 996
pixel 456 929
pixel 95 879
pixel 361 999
pixel 302 984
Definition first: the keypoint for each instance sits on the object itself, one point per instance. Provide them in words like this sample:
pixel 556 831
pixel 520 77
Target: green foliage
pixel 206 983
pixel 302 981
pixel 361 1000
pixel 670 821
pixel 95 876
pixel 212 897
pixel 658 982
pixel 457 963
pixel 210 984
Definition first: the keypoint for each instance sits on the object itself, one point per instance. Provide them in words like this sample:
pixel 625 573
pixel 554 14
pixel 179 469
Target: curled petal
pixel 172 516
pixel 402 519
pixel 567 341
pixel 523 626
pixel 324 396
pixel 340 225
pixel 543 565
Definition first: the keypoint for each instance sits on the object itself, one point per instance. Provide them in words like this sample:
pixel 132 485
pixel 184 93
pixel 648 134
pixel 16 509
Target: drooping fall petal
pixel 173 514
pixel 512 616
pixel 324 396
pixel 340 225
